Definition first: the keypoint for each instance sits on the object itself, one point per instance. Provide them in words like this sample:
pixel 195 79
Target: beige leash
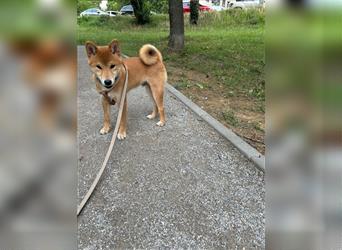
pixel 110 148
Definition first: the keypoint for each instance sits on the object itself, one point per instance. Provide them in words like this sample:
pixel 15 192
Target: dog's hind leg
pixel 157 90
pixel 155 110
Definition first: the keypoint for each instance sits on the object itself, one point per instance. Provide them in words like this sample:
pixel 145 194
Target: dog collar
pixel 109 100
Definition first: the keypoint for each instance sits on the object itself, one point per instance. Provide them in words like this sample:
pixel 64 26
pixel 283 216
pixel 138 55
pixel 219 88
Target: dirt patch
pixel 244 114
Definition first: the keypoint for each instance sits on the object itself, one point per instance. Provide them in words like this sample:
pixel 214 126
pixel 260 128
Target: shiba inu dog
pixel 109 74
pixel 50 71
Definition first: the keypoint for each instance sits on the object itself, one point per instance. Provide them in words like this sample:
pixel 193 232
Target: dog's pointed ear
pixel 114 47
pixel 91 48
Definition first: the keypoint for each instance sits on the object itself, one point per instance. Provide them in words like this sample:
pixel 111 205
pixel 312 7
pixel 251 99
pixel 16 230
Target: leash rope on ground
pixel 110 148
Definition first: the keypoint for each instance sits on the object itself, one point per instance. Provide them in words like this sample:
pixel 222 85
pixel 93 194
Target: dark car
pixel 127 10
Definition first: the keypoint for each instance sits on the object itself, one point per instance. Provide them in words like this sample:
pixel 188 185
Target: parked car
pixel 113 12
pixel 217 8
pixel 202 7
pixel 93 12
pixel 245 4
pixel 127 10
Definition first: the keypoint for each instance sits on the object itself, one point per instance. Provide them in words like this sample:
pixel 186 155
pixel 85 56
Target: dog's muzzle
pixel 109 84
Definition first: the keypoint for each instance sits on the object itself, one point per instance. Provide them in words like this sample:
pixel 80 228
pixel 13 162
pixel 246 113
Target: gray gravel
pixel 179 186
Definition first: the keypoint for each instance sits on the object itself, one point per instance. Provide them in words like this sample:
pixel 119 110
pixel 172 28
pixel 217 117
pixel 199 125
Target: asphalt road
pixel 178 186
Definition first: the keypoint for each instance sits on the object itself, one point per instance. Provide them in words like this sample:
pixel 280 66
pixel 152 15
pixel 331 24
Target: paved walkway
pixel 179 186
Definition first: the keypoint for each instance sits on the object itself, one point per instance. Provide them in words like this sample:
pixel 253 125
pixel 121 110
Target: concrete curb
pixel 246 149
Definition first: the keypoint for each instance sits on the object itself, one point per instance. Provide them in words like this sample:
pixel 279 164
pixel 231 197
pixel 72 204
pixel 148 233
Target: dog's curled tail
pixel 150 55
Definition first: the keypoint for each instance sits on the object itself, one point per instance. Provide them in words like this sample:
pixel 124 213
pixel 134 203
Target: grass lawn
pixel 221 68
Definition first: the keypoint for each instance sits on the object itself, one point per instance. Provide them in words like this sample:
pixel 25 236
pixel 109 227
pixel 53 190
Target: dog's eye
pixel 98 66
pixel 112 66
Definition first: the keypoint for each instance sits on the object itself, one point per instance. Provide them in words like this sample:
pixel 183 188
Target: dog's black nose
pixel 108 83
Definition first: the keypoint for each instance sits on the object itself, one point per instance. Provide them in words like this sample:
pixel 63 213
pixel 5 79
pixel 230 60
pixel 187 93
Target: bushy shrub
pixel 103 19
pixel 210 20
pixel 232 17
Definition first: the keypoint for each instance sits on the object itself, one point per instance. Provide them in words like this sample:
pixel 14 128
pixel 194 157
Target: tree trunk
pixel 176 39
pixel 141 12
pixel 194 5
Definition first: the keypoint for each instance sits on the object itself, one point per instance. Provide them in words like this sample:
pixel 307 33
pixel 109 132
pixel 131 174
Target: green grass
pixel 230 118
pixel 228 46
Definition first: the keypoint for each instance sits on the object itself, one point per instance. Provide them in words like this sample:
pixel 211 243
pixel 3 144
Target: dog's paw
pixel 160 124
pixel 104 130
pixel 151 116
pixel 121 135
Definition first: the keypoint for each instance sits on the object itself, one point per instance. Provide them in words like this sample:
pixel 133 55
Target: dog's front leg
pixel 106 116
pixel 123 122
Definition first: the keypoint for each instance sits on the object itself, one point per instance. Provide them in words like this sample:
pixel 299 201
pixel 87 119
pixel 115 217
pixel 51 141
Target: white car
pixel 245 4
pixel 93 12
pixel 217 8
pixel 113 12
